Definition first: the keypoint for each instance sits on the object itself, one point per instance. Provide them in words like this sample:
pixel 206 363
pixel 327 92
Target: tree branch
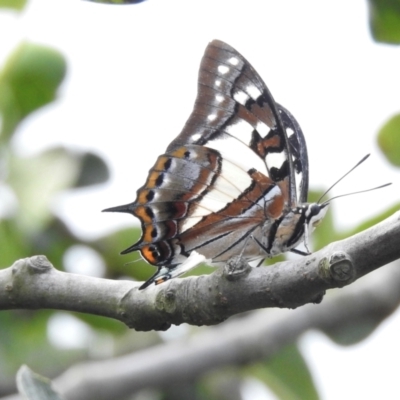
pixel 33 283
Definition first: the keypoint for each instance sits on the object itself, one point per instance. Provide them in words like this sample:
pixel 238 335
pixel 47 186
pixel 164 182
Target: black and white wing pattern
pixel 234 181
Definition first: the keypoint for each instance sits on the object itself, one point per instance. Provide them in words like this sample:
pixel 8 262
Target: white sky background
pixel 132 79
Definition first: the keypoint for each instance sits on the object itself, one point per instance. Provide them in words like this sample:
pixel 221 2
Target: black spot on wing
pixel 167 164
pixel 149 212
pixel 150 195
pixel 279 174
pixel 159 180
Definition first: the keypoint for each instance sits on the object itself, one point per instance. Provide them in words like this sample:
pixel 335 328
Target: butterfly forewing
pixel 231 173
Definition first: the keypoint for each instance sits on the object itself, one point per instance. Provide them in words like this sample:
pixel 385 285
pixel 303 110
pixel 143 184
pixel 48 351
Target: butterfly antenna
pixel 360 191
pixel 133 262
pixel 352 169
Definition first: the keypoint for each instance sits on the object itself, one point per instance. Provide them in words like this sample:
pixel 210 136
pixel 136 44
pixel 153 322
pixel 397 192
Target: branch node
pixel 39 264
pixel 338 267
pixel 236 268
pixel 165 300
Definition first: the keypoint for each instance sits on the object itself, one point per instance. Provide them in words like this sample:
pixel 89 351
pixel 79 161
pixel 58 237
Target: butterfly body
pixel 235 180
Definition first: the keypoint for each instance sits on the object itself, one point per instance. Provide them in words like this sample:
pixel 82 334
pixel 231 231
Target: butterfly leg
pixel 302 253
pixel 237 267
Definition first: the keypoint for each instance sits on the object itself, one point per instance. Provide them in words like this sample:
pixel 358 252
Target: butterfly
pixel 234 182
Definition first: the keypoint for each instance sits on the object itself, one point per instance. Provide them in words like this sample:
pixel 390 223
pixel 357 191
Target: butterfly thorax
pixel 294 227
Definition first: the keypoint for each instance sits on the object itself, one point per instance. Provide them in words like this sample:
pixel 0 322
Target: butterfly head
pixel 314 213
pixel 307 216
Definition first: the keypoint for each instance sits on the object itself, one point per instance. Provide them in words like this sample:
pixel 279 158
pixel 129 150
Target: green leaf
pixel 33 386
pixel 13 243
pixel 29 80
pixel 13 4
pixel 384 20
pixel 93 171
pixel 389 139
pixel 287 374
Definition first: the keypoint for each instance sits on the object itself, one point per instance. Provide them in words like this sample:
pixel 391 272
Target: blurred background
pixel 91 94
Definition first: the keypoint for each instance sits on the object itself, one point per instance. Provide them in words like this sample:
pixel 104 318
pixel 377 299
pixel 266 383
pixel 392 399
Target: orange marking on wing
pixel 160 163
pixel 141 212
pixel 148 254
pixel 147 234
pixel 160 280
pixel 180 152
pixel 142 197
pixel 152 178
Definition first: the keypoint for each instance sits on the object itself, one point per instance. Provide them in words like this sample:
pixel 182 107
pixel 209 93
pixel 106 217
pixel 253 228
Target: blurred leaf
pixel 29 80
pixel 354 331
pixel 13 243
pixel 384 20
pixel 37 179
pixel 286 374
pixel 389 139
pixel 373 221
pixel 93 171
pixel 221 384
pixel 14 4
pixel 53 241
pixel 33 386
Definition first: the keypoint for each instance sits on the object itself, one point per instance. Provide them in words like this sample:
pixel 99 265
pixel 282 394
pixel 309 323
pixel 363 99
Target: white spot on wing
pixel 219 98
pixel 253 92
pixel 289 131
pixel 241 97
pixel 196 137
pixel 211 117
pixel 241 130
pixel 223 69
pixel 262 129
pixel 217 83
pixel 233 61
pixel 275 159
